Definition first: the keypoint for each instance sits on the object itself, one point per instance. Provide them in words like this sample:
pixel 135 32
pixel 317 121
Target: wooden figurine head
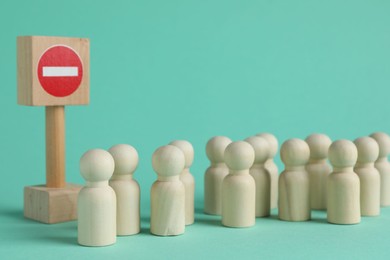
pixel 319 146
pixel 383 141
pixel 343 153
pixel 168 161
pixel 215 148
pixel 294 152
pixel 125 157
pixel 239 156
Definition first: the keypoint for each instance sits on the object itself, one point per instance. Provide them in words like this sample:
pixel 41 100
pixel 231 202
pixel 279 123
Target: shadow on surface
pixel 145 230
pixel 199 210
pixel 270 217
pixel 66 240
pixel 145 219
pixel 319 220
pixel 15 214
pixel 207 221
pixel 30 231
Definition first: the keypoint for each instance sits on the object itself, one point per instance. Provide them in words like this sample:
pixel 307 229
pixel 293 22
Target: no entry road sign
pixel 60 71
pixel 53 71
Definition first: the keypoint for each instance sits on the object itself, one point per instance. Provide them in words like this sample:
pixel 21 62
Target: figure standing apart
pixel 294 200
pixel 318 169
pixel 187 178
pixel 261 175
pixel 238 187
pixel 167 194
pixel 343 184
pixel 271 166
pixel 126 189
pixel 215 174
pixel 370 180
pixel 383 166
pixel 96 203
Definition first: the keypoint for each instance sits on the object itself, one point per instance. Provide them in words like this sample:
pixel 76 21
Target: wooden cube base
pixel 51 205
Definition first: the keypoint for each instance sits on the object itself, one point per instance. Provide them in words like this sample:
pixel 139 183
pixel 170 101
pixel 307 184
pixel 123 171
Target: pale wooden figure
pixel 383 166
pixel 343 184
pixel 215 174
pixel 261 175
pixel 238 187
pixel 294 200
pixel 318 169
pixel 126 189
pixel 96 203
pixel 370 182
pixel 271 166
pixel 187 178
pixel 168 193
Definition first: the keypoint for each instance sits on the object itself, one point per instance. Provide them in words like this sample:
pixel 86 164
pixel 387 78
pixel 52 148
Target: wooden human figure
pixel 343 184
pixel 96 203
pixel 215 174
pixel 318 169
pixel 238 187
pixel 126 189
pixel 271 166
pixel 187 178
pixel 167 193
pixel 294 200
pixel 370 182
pixel 261 175
pixel 383 166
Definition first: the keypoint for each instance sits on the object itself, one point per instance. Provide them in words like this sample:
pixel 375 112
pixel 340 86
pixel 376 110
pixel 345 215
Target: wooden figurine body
pixel 126 189
pixel 383 166
pixel 370 182
pixel 187 179
pixel 96 204
pixel 272 168
pixel 343 184
pixel 168 193
pixel 215 174
pixel 238 187
pixel 318 169
pixel 261 175
pixel 294 200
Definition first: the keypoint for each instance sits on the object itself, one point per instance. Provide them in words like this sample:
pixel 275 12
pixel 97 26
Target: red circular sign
pixel 60 71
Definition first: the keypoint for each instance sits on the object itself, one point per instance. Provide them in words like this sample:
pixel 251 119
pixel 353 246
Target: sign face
pixel 60 71
pixel 52 71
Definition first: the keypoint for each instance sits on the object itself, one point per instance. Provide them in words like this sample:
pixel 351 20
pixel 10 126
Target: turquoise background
pixel 166 70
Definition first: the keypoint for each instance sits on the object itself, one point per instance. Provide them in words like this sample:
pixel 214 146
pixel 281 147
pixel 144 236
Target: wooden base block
pixel 51 205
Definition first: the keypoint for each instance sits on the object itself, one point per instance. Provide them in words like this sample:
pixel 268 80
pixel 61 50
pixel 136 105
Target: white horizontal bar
pixel 60 71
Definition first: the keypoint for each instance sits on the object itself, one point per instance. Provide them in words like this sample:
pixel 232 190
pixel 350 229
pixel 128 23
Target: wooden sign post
pixel 53 72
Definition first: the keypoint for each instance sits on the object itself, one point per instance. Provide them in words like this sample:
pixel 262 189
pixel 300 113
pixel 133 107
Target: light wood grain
pixel 370 179
pixel 126 189
pixel 271 167
pixel 51 205
pixel 187 179
pixel 55 146
pixel 238 187
pixel 383 166
pixel 294 200
pixel 96 202
pixel 343 206
pixel 167 195
pixel 318 169
pixel 215 174
pixel 261 175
